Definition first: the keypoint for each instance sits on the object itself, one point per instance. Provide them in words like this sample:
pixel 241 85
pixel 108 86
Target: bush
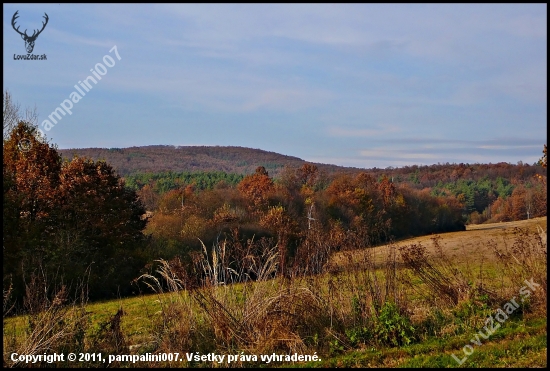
pixel 392 327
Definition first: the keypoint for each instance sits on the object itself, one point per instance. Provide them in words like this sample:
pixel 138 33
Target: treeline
pixel 499 200
pixel 477 187
pixel 152 185
pixel 307 214
pixel 485 190
pixel 428 176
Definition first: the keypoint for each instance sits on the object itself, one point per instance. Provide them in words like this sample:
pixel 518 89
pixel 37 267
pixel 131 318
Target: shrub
pixel 393 327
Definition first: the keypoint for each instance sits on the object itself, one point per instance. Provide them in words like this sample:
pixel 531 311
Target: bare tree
pixel 13 114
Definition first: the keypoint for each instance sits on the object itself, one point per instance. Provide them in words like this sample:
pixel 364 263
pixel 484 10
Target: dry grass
pixel 403 293
pixel 230 313
pixel 53 324
pixel 470 247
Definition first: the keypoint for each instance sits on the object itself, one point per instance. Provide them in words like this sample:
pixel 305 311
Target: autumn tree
pixel 277 221
pixel 148 197
pixel 544 159
pixel 539 197
pixel 308 174
pixel 70 219
pixel 500 211
pixel 256 188
pixel 103 220
pixel 356 202
pixel 31 169
pixel 293 191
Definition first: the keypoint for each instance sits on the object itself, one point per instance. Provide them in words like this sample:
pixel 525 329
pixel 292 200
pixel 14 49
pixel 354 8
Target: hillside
pixel 161 158
pixel 242 160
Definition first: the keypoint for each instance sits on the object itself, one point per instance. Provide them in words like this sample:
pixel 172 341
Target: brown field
pixel 465 248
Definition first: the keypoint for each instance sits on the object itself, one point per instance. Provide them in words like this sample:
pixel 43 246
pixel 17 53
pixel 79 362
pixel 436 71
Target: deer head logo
pixel 29 40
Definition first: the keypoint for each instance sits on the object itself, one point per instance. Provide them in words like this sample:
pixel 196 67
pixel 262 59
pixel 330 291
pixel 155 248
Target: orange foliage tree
pixel 31 176
pixel 71 219
pixel 257 188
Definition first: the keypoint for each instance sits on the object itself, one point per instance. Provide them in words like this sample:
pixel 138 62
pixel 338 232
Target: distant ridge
pixel 157 158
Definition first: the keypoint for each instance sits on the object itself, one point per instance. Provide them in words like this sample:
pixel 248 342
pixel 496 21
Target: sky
pixel 362 85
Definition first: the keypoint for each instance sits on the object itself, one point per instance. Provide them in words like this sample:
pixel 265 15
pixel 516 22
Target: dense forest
pixel 154 159
pixel 310 214
pixel 487 191
pixel 85 222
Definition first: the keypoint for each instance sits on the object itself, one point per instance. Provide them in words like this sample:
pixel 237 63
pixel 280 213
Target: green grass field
pixel 415 303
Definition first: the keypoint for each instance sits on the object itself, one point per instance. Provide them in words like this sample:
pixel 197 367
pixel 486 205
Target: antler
pixel 34 35
pixel 15 16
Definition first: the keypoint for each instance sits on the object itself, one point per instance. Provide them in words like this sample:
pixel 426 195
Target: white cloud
pixel 392 153
pixel 339 131
pixel 494 146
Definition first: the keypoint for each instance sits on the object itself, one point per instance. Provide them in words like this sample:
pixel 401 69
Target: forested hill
pixel 241 160
pixel 155 159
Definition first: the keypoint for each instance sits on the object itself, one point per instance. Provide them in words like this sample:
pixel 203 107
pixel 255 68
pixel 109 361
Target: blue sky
pixel 364 85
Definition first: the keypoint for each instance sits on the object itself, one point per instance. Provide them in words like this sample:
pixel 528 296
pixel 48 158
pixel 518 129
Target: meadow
pixel 457 299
